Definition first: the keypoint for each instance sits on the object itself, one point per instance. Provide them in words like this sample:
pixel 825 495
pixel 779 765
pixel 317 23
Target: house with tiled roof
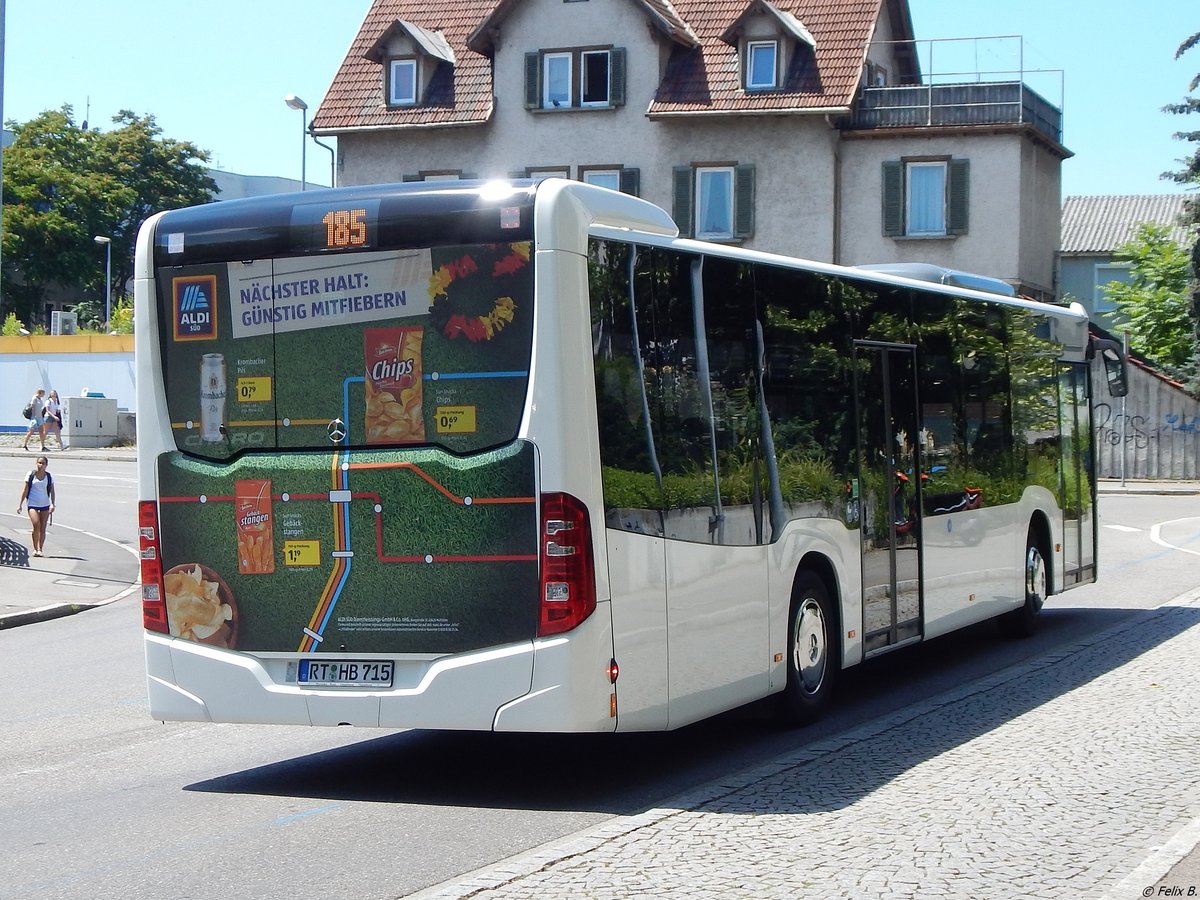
pixel 804 127
pixel 1094 228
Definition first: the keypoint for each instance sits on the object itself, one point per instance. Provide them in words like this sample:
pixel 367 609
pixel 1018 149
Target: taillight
pixel 154 601
pixel 568 579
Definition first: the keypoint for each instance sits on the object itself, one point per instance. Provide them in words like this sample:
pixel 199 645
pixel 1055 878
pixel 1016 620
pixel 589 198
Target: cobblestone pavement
pixel 1074 776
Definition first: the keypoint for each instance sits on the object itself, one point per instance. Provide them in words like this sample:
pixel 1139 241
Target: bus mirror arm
pixel 1114 364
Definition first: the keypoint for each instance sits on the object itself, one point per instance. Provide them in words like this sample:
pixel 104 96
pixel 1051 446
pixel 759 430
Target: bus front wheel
pixel 811 653
pixel 1023 621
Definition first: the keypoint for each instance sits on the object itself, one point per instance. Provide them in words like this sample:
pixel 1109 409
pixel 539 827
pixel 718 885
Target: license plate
pixel 352 672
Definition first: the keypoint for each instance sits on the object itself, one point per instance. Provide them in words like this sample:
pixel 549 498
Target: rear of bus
pixel 355 446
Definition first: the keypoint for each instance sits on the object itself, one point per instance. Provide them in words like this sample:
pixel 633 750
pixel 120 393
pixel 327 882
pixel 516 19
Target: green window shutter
pixel 743 200
pixel 958 207
pixel 630 181
pixel 684 187
pixel 616 76
pixel 893 198
pixel 533 68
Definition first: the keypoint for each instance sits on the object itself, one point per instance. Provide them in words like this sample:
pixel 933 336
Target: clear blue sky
pixel 215 73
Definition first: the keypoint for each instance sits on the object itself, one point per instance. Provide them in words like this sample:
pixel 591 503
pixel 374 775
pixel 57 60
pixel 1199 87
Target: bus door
pixel 889 486
pixel 1079 512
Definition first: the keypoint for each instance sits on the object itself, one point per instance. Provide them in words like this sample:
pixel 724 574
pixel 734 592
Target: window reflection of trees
pixel 726 442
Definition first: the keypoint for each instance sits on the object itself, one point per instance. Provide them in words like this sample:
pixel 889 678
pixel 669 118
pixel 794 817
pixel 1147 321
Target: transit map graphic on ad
pixel 348 476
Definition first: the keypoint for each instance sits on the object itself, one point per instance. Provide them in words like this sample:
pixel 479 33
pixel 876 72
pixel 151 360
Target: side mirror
pixel 1114 366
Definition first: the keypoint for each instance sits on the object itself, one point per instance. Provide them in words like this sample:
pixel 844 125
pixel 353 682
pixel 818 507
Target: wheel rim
pixel 1035 579
pixel 809 650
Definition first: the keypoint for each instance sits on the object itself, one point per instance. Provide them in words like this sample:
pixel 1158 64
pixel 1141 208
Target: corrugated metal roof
pixel 701 76
pixel 1101 223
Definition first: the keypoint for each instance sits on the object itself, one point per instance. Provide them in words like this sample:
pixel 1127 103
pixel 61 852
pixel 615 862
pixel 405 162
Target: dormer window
pixel 413 60
pixel 402 82
pixel 771 44
pixel 762 65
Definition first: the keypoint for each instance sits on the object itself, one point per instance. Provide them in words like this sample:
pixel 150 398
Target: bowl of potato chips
pixel 200 605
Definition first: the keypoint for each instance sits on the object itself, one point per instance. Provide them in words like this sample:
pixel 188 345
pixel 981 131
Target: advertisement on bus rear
pixel 348 476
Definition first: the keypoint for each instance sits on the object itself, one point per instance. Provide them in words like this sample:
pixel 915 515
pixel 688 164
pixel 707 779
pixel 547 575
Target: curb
pixel 44 614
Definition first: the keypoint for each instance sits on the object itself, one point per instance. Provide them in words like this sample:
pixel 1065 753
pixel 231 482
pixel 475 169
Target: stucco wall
pixel 995 197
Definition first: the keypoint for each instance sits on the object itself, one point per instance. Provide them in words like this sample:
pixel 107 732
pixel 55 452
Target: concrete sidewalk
pixel 1073 776
pixel 80 570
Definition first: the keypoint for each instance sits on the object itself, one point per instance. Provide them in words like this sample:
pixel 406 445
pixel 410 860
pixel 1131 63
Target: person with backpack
pixel 36 413
pixel 37 496
pixel 53 418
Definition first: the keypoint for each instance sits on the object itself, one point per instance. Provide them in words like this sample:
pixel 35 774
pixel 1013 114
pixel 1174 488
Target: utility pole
pixel 1 125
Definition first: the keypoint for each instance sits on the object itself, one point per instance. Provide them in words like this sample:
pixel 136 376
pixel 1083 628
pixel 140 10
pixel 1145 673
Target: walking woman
pixel 37 418
pixel 37 496
pixel 53 418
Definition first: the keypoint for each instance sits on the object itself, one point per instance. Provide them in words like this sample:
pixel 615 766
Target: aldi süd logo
pixel 195 303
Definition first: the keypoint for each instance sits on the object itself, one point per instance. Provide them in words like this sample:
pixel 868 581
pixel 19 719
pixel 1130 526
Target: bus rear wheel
pixel 812 658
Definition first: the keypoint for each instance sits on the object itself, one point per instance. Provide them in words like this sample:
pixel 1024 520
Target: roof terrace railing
pixel 962 94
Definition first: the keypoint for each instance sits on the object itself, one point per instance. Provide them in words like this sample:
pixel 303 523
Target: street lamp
pixel 107 242
pixel 295 102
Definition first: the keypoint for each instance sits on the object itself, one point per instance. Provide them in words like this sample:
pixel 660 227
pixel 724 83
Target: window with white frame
pixel 541 174
pixel 607 178
pixel 575 79
pixel 402 82
pixel 925 197
pixel 556 80
pixel 762 65
pixel 615 178
pixel 594 77
pixel 715 201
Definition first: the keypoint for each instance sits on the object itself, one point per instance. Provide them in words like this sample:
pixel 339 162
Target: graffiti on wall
pixel 1113 426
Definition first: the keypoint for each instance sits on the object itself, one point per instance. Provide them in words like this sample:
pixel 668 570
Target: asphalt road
pixel 100 800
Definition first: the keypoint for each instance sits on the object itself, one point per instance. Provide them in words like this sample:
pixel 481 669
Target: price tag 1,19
pixel 301 553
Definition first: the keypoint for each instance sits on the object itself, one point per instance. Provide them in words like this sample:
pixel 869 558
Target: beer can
pixel 212 396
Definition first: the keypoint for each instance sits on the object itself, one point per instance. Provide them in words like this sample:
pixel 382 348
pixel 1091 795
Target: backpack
pixel 27 412
pixel 49 481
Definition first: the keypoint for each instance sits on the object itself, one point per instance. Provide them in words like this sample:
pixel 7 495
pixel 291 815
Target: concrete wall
pixel 68 364
pixel 1154 432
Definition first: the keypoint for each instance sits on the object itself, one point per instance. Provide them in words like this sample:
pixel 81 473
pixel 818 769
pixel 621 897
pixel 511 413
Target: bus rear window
pixel 389 349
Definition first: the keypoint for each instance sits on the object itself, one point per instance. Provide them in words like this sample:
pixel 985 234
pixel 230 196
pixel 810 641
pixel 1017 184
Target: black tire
pixel 813 658
pixel 1023 621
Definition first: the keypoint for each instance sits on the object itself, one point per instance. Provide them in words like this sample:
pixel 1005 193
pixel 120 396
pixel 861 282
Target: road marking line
pixel 1156 536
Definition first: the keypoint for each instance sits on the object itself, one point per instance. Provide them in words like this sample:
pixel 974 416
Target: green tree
pixel 64 184
pixel 1155 305
pixel 1190 175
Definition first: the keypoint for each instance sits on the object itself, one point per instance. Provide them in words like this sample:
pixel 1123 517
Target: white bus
pixel 381 485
